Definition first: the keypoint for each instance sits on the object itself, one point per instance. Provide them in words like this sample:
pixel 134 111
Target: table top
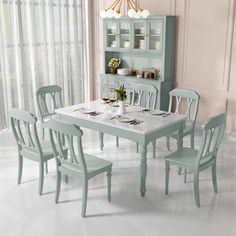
pixel 151 123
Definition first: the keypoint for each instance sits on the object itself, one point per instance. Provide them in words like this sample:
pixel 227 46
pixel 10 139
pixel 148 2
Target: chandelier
pixel 134 10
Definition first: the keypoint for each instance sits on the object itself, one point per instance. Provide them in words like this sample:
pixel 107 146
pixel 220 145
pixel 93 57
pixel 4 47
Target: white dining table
pixel 153 126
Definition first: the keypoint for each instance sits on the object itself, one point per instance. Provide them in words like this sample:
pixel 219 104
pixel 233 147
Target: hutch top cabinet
pixel 140 44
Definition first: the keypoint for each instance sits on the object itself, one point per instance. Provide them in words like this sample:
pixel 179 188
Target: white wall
pixel 205 50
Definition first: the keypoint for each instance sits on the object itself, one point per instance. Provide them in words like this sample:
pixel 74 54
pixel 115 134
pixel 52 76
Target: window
pixel 41 42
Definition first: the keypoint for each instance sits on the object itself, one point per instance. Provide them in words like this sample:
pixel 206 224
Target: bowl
pixel 123 71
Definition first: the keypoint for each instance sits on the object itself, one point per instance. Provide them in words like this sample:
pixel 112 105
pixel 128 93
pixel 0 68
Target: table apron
pixel 142 139
pixel 165 131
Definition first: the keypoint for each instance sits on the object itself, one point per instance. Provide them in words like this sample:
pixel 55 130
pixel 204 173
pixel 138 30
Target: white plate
pixel 157 113
pixel 86 110
pixel 126 119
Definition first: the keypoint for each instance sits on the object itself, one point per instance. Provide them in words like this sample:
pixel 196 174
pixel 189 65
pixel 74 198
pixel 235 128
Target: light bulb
pixel 103 14
pixel 145 13
pixel 117 14
pixel 138 15
pixel 131 13
pixel 110 13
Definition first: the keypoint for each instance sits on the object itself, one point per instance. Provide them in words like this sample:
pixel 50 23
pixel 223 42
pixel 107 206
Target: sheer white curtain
pixel 41 42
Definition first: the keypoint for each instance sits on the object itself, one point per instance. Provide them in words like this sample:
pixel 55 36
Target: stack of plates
pixel 123 71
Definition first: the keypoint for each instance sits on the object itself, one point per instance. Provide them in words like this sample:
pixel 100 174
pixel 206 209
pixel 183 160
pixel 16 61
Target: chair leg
pixel 185 175
pixel 46 167
pixel 154 149
pixel 20 167
pixel 109 185
pixel 167 178
pixel 137 146
pixel 117 141
pixel 179 170
pixel 85 195
pixel 196 189
pixel 58 186
pixel 42 133
pixel 66 179
pixel 41 177
pixel 168 143
pixel 214 178
pixel 101 140
pixel 192 140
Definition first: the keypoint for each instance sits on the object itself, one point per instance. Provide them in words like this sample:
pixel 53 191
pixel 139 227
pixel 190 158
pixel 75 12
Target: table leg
pixel 143 169
pixel 154 149
pixel 101 140
pixel 180 141
pixel 180 135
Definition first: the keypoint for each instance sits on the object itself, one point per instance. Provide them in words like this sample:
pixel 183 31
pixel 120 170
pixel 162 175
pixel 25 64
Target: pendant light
pixel 134 10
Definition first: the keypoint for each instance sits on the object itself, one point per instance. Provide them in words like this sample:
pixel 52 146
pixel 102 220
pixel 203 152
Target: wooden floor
pixel 24 212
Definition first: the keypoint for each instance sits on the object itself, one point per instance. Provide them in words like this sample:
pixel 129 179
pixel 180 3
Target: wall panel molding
pixel 186 19
pixel 229 45
pixel 218 84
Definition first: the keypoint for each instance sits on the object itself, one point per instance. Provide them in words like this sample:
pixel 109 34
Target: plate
pixel 156 113
pixel 126 119
pixel 86 110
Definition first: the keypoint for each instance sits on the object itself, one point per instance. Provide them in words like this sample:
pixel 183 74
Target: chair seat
pixel 187 157
pixel 184 157
pixel 94 166
pixel 33 154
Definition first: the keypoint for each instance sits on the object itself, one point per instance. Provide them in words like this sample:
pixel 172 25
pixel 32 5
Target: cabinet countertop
pixel 132 78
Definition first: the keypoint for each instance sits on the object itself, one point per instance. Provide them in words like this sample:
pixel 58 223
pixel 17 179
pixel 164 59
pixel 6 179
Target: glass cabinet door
pixel 154 35
pixel 139 35
pixel 111 34
pixel 125 35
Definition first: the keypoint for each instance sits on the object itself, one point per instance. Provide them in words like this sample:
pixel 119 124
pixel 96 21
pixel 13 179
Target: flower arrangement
pixel 120 93
pixel 114 62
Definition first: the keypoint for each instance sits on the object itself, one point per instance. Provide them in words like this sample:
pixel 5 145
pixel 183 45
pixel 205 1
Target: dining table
pixel 138 124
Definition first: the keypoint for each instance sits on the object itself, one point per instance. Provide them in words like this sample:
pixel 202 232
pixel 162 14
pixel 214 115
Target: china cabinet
pixel 143 45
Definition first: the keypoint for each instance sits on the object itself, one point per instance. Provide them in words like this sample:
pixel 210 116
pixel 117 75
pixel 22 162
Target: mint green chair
pixel 186 102
pixel 78 164
pixel 196 161
pixel 49 98
pixel 24 128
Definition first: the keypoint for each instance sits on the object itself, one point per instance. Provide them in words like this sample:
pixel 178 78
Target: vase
pixel 113 70
pixel 121 110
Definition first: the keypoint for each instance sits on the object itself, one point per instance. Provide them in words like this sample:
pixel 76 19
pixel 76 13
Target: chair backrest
pixel 48 99
pixel 63 134
pixel 143 95
pixel 213 132
pixel 24 128
pixel 186 102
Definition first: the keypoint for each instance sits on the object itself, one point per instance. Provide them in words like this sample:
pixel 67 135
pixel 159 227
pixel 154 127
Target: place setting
pixel 155 112
pixel 87 111
pixel 127 119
